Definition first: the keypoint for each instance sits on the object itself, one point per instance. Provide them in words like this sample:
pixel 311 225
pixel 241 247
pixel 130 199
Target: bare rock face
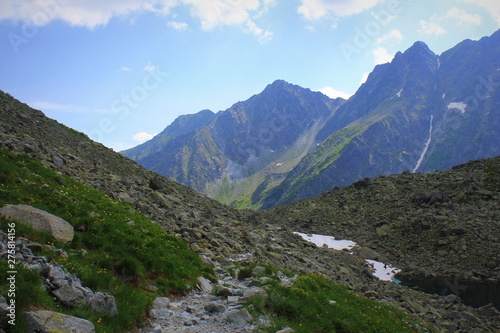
pixel 40 220
pixel 49 321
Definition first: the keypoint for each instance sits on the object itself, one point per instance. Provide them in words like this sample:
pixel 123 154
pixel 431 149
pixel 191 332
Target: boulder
pixel 367 253
pixel 225 291
pixel 104 303
pixel 254 292
pixel 45 321
pixel 160 200
pixel 214 307
pixel 57 276
pixel 204 284
pixel 156 183
pixel 160 308
pixel 40 220
pixel 240 317
pixel 70 296
pixel 126 198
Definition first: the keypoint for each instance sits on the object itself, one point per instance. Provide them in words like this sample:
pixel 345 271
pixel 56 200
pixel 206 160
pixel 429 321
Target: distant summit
pixel 420 112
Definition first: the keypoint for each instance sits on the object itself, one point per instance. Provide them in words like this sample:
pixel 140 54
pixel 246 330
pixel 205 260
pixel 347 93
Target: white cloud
pixel 462 16
pixel 88 13
pixel 266 4
pixel 149 68
pixel 492 6
pixel 431 28
pixel 332 93
pixel 92 13
pixel 217 13
pixel 316 9
pixel 262 35
pixel 179 26
pixel 393 35
pixel 222 12
pixel 381 55
pixel 124 69
pixel 142 137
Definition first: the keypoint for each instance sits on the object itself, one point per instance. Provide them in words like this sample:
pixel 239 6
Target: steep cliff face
pixel 466 105
pixel 242 147
pixel 421 112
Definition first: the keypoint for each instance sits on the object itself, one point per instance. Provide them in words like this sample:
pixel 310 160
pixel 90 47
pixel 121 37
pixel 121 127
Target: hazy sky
pixel 122 70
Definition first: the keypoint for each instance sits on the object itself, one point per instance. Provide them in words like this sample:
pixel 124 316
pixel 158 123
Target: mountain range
pixel 436 225
pixel 421 112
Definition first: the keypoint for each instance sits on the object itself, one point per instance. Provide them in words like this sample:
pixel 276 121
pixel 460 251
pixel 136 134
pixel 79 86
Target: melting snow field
pixel 458 105
pixel 329 241
pixel 382 271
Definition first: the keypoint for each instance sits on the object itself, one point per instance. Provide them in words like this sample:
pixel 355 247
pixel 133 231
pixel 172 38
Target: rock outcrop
pixel 44 321
pixel 40 220
pixel 64 286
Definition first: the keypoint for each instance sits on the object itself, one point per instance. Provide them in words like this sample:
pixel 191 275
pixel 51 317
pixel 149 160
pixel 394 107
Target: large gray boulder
pixel 104 303
pixel 40 220
pixel 45 321
pixel 254 292
pixel 238 316
pixel 70 296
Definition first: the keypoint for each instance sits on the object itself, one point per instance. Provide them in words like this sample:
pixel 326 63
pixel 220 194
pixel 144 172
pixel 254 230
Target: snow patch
pixel 427 144
pixel 327 241
pixel 458 105
pixel 382 271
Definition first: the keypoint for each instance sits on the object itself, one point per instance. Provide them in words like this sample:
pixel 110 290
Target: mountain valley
pixel 149 254
pixel 421 112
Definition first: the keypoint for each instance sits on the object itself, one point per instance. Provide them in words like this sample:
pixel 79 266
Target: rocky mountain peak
pixel 418 53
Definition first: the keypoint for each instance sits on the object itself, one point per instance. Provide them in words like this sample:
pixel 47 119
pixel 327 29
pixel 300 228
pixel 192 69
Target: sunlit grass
pixel 108 253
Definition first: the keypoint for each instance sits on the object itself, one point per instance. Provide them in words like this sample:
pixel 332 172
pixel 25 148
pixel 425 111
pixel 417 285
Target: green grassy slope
pixel 108 253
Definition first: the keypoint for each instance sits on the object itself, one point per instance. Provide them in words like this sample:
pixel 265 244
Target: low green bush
pixel 315 304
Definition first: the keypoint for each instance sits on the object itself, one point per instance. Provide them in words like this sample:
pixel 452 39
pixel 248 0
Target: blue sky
pixel 122 70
